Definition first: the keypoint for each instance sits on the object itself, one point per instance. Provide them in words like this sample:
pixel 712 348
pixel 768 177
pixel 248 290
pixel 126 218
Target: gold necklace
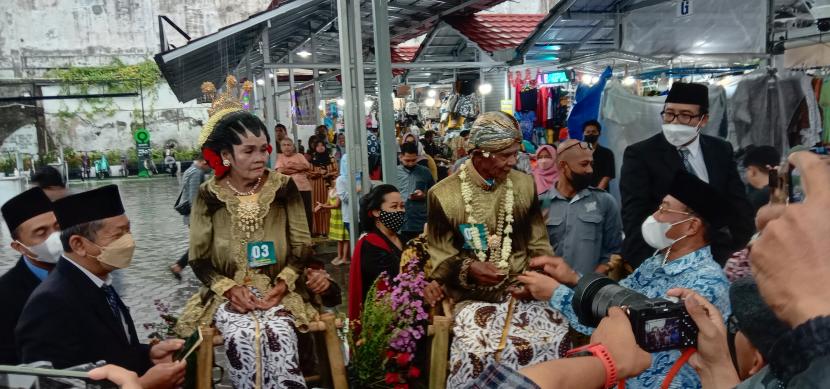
pixel 248 193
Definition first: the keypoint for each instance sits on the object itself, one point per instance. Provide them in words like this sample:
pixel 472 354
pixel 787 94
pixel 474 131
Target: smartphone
pixel 190 345
pixel 796 189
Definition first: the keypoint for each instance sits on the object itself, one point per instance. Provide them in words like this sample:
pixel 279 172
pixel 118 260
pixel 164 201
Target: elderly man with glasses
pixel 679 235
pixel 649 166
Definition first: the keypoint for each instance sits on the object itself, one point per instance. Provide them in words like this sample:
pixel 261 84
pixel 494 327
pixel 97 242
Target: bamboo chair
pixel 332 367
pixel 439 355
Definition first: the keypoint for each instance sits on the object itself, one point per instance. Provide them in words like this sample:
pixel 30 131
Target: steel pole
pixel 351 61
pixel 383 66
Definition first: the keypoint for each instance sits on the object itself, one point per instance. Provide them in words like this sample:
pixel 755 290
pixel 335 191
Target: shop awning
pixel 212 57
pixel 293 25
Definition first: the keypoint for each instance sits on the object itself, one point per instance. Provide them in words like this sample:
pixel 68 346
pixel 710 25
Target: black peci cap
pixel 96 204
pixel 702 198
pixel 25 206
pixel 687 93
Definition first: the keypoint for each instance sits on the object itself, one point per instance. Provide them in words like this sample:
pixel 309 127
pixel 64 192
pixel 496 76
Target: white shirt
pixel 100 283
pixel 696 159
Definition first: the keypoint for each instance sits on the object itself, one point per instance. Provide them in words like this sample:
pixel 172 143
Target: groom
pixel 477 242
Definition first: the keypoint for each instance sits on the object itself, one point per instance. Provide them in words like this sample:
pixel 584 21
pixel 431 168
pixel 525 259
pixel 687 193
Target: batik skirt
pixel 261 347
pixel 536 334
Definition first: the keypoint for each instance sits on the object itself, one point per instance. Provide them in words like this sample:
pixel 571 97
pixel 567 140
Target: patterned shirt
pixel 697 271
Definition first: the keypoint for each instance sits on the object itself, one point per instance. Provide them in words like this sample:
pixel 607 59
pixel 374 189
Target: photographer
pixel 679 230
pixel 790 264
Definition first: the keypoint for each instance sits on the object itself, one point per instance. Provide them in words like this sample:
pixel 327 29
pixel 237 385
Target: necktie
pixel 685 155
pixel 113 301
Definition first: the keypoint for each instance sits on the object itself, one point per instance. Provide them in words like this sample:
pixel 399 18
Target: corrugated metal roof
pixel 494 32
pixel 575 28
pixel 234 49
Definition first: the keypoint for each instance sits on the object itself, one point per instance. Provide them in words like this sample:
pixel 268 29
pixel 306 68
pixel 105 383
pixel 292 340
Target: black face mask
pixel 392 220
pixel 581 181
pixel 590 138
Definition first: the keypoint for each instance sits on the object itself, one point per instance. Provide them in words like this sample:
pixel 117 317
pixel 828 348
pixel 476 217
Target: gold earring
pixel 226 163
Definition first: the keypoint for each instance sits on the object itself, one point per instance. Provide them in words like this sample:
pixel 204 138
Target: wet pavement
pixel 161 238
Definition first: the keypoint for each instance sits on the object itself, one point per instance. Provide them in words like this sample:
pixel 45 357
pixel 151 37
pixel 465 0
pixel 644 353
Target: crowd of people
pixel 508 230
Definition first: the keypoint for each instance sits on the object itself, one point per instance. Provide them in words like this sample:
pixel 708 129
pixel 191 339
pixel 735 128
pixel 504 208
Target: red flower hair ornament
pixel 215 162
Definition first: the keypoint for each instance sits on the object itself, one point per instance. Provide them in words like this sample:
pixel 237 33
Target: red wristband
pixel 599 351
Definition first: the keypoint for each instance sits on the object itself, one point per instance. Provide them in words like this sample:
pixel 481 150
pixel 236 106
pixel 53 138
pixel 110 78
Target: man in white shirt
pixel 648 167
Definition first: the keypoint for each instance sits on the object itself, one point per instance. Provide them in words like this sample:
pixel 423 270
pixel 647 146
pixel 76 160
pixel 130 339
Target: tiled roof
pixel 494 32
pixel 402 54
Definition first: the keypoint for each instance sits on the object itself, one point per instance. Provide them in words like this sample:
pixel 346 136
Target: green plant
pixel 370 348
pixel 113 78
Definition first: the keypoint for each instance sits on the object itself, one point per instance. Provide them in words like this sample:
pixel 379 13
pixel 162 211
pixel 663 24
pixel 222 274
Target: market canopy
pixel 292 25
pixel 575 30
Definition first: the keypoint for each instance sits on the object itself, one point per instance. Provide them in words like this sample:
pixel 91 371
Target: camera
pixel 658 324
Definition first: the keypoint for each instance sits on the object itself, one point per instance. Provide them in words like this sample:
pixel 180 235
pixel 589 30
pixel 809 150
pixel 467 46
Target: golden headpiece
pixel 222 104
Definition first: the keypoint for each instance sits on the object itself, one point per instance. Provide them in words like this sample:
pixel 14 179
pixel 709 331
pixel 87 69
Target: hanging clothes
pixel 587 105
pixel 824 102
pixel 764 107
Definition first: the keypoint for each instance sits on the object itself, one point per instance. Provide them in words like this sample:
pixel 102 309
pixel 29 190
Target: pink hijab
pixel 545 177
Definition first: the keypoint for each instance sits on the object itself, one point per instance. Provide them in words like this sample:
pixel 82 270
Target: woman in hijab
pixel 545 173
pixel 323 170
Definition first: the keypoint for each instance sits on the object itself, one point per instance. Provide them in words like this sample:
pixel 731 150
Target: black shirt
pixel 375 260
pixel 603 164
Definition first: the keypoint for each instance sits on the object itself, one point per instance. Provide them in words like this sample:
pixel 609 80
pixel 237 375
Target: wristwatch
pixel 598 350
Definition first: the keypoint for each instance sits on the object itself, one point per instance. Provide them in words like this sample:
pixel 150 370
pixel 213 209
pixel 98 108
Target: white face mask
pixel 48 251
pixel 654 233
pixel 680 134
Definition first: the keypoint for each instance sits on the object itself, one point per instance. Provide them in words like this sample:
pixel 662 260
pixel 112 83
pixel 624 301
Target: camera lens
pixel 594 294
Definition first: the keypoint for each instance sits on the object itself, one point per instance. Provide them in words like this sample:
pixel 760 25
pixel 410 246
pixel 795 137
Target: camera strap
pixel 684 357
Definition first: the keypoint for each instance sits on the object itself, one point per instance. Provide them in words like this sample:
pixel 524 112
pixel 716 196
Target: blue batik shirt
pixel 697 271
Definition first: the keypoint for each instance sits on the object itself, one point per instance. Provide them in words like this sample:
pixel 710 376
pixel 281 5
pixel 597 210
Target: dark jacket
pixel 647 172
pixel 798 359
pixel 68 322
pixel 15 288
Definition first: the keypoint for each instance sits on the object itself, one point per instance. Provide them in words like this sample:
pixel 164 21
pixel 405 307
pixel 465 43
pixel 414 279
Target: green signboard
pixel 142 148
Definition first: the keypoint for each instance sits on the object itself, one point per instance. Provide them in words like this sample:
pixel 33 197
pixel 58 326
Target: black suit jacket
pixel 647 171
pixel 15 288
pixel 68 322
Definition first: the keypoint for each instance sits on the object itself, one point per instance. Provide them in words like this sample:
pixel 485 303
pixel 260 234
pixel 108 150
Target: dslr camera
pixel 658 324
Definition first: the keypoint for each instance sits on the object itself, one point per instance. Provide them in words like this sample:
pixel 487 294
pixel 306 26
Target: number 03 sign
pixel 261 254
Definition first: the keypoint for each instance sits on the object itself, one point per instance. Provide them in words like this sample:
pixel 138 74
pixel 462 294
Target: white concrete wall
pixel 36 35
pixel 166 120
pixel 23 140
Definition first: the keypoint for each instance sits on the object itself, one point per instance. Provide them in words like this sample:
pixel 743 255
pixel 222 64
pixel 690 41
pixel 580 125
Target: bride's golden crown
pixel 222 104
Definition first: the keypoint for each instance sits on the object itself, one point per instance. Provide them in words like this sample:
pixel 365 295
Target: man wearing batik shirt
pixel 484 226
pixel 679 231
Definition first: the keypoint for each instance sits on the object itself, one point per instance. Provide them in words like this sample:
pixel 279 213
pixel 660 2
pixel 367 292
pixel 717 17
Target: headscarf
pixel 494 132
pixel 545 178
pixel 320 159
pixel 421 154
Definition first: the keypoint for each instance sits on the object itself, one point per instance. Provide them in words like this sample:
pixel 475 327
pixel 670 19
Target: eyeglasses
pixel 683 118
pixel 583 145
pixel 663 210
